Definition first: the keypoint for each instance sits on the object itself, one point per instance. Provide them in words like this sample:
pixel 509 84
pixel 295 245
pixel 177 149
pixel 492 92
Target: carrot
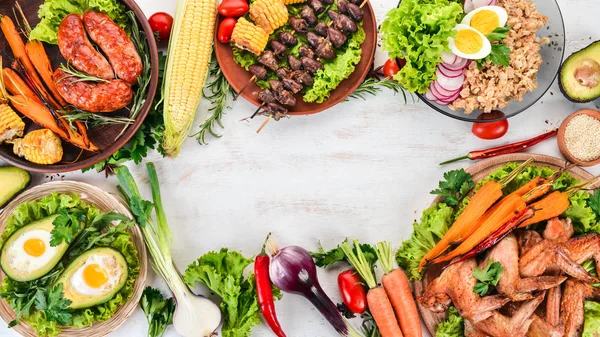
pixel 399 293
pixel 16 86
pixel 555 204
pixel 38 56
pixel 505 212
pixel 377 299
pixel 483 199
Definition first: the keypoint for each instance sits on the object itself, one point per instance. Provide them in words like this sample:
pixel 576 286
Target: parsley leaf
pixel 159 311
pixel 499 34
pixel 325 258
pixel 141 209
pixel 594 202
pixel 54 305
pixel 488 276
pixel 457 185
pixel 500 55
pixel 66 226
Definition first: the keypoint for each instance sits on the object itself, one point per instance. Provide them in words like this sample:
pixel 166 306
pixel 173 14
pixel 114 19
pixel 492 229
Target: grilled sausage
pixel 115 44
pixel 93 96
pixel 78 50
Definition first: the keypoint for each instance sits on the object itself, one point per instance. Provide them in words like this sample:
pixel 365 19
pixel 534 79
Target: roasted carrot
pixel 399 293
pixel 555 204
pixel 483 199
pixel 38 56
pixel 506 211
pixel 16 86
pixel 377 299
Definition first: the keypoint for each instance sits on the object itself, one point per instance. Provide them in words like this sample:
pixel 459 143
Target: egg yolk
pixel 485 21
pixel 468 41
pixel 94 276
pixel 34 247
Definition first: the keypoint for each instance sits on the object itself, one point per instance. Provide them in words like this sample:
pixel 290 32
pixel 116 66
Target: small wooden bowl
pixel 106 203
pixel 562 144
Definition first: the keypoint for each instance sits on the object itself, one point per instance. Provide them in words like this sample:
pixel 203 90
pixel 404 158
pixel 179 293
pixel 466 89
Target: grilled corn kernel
pixel 293 2
pixel 269 14
pixel 39 147
pixel 11 125
pixel 248 36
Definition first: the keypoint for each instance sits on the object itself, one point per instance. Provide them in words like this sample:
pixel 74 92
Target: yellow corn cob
pixel 269 14
pixel 39 147
pixel 293 2
pixel 187 67
pixel 249 36
pixel 11 125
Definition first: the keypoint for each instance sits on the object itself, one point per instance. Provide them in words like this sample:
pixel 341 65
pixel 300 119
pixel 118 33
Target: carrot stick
pixel 38 56
pixel 399 293
pixel 555 204
pixel 16 86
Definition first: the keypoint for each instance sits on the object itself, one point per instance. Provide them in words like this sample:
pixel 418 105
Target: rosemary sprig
pixel 80 76
pixel 93 119
pixel 372 86
pixel 219 94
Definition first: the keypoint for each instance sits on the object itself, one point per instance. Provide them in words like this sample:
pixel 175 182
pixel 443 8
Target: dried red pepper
pixel 264 291
pixel 505 149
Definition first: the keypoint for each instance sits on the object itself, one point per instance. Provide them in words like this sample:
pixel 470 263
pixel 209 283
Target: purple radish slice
pixel 462 64
pixel 439 96
pixel 449 58
pixel 443 92
pixel 468 6
pixel 430 96
pixel 450 83
pixel 450 73
pixel 450 100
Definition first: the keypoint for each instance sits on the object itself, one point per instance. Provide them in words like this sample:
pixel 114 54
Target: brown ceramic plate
pixel 562 145
pixel 238 76
pixel 102 136
pixel 480 171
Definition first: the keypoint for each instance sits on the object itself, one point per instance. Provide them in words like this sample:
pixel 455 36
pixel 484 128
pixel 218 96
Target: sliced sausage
pixel 75 47
pixel 115 44
pixel 93 96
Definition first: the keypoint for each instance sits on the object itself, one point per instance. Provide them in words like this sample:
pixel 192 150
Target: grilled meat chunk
pixel 325 50
pixel 355 12
pixel 292 85
pixel 498 325
pixel 285 97
pixel 259 71
pixel 311 65
pixel 572 310
pixel 277 47
pixel 342 22
pixel 336 37
pixel 268 60
pixel 303 78
pixel 308 14
pixel 287 39
pixel 314 40
pixel 275 86
pixel 327 2
pixel 298 24
pixel 342 6
pixel 321 28
pixel 317 6
pixel 283 72
pixel 306 51
pixel 266 96
pixel 295 63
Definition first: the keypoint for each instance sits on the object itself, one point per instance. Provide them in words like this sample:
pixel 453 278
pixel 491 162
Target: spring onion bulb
pixel 293 270
pixel 194 316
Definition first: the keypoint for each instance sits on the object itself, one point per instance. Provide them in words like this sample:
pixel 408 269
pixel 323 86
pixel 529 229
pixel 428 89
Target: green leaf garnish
pixel 488 276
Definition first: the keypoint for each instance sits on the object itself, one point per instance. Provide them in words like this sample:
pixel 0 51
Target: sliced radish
pixel 480 3
pixel 450 100
pixel 450 83
pixel 449 58
pixel 429 96
pixel 436 94
pixel 443 93
pixel 461 64
pixel 468 6
pixel 450 73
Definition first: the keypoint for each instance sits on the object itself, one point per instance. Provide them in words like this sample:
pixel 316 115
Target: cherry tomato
pixel 162 23
pixel 226 29
pixel 491 130
pixel 353 292
pixel 392 67
pixel 233 8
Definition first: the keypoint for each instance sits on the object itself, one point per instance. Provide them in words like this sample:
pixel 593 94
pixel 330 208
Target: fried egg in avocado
pixel 27 254
pixel 94 277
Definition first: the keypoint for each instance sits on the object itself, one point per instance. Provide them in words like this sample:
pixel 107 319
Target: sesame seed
pixel 581 137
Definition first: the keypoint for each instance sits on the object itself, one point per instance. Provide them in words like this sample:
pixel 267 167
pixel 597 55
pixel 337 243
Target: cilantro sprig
pixel 325 258
pixel 500 52
pixel 457 184
pixel 488 276
pixel 66 226
pixel 159 311
pixel 54 305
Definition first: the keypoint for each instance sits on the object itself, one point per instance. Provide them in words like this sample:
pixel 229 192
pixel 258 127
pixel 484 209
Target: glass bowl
pixel 552 56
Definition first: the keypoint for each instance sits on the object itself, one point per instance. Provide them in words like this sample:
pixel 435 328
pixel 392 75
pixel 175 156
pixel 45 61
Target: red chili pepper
pixel 233 8
pixel 499 234
pixel 505 149
pixel 264 291
pixel 226 29
pixel 352 291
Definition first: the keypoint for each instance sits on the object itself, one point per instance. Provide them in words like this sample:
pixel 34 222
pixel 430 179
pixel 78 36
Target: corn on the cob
pixel 249 36
pixel 269 14
pixel 39 147
pixel 187 67
pixel 11 125
pixel 293 2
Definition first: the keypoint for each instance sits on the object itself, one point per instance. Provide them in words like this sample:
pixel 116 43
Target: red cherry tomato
pixel 491 130
pixel 353 292
pixel 226 29
pixel 233 8
pixel 390 68
pixel 161 23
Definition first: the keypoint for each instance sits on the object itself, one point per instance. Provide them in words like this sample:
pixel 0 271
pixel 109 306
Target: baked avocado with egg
pixel 580 75
pixel 27 254
pixel 13 180
pixel 94 277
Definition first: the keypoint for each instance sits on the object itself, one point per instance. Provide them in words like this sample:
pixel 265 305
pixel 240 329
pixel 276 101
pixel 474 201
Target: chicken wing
pixel 559 230
pixel 572 310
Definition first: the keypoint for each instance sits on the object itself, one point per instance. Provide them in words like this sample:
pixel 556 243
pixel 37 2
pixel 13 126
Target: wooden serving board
pixel 479 171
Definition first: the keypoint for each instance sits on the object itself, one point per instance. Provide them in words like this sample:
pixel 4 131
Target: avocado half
pixel 13 180
pixel 580 75
pixel 12 270
pixel 79 300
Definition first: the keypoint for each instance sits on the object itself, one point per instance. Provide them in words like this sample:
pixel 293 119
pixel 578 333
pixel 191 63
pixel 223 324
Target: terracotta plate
pixel 480 171
pixel 102 136
pixel 238 76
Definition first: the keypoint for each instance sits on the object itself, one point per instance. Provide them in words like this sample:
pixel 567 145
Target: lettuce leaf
pixel 434 224
pixel 523 178
pixel 582 215
pixel 454 326
pixel 418 31
pixel 52 12
pixel 337 70
pixel 591 326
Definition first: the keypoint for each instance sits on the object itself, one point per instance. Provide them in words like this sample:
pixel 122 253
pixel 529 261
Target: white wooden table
pixel 360 170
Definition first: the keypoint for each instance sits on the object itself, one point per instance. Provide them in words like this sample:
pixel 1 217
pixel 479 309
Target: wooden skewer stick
pixel 264 124
pixel 244 87
pixel 363 4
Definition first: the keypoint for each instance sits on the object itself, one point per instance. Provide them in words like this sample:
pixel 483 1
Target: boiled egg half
pixel 469 43
pixel 485 19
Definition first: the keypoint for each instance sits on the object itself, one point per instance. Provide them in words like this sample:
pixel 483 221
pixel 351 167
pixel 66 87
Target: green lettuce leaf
pixel 244 58
pixel 591 326
pixel 582 215
pixel 435 222
pixel 222 272
pixel 523 178
pixel 418 31
pixel 336 70
pixel 52 12
pixel 454 326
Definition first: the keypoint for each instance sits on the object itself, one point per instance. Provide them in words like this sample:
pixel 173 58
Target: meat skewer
pixel 257 71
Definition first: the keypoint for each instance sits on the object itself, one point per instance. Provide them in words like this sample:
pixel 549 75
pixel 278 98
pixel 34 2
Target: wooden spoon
pixel 562 144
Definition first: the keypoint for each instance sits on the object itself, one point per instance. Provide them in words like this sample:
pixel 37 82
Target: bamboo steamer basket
pixel 106 203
